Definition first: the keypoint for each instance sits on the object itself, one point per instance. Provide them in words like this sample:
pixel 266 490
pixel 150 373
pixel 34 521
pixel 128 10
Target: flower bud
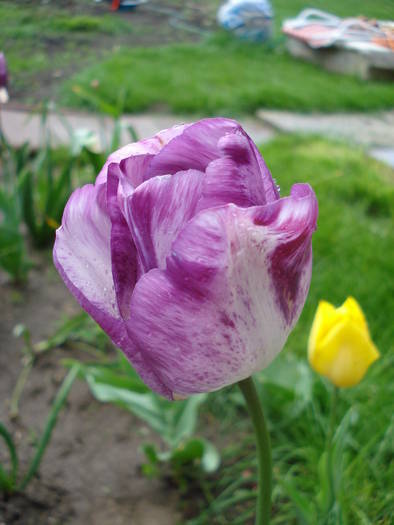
pixel 3 79
pixel 340 347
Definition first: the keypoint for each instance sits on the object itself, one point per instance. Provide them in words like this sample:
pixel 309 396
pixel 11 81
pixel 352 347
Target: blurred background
pixel 82 441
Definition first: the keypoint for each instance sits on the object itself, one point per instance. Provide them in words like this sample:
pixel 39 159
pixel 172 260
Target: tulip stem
pixel 263 445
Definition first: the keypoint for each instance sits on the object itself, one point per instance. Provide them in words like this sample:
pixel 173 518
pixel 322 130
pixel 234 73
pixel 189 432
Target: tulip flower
pixel 185 254
pixel 340 347
pixel 3 79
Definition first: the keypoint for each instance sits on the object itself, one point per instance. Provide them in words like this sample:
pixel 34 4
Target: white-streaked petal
pixel 216 314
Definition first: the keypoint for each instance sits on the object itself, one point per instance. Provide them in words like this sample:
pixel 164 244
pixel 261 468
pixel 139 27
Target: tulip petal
pixel 325 319
pixel 195 148
pixel 348 352
pixel 215 315
pixel 132 156
pixel 158 209
pixel 291 221
pixel 235 177
pixel 82 256
pixel 210 139
pixel 123 250
pixel 352 310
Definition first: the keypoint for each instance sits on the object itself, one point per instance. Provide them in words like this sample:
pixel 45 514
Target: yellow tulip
pixel 340 347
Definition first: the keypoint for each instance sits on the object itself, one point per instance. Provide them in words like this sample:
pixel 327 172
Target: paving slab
pixel 21 126
pixel 385 155
pixel 374 132
pixel 370 130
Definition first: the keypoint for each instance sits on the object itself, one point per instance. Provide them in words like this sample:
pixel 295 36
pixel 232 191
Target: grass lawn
pixel 222 75
pixel 351 257
pixel 52 49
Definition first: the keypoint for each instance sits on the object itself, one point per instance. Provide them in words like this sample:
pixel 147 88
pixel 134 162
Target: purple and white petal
pixel 236 176
pixel 158 209
pixel 138 150
pixel 194 149
pixel 124 259
pixel 290 223
pixel 82 255
pixel 215 315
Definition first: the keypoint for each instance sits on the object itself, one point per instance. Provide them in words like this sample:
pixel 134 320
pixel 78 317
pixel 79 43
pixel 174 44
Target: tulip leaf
pixel 151 453
pixel 142 405
pixel 188 452
pixel 342 438
pixel 101 375
pixel 323 496
pixel 185 418
pixel 291 374
pixel 8 481
pixel 304 508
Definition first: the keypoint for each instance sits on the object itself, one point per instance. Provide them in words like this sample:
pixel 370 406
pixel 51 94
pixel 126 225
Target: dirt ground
pixel 152 24
pixel 90 474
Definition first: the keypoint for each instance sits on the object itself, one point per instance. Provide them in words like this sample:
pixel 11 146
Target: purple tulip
pixel 185 255
pixel 3 71
pixel 3 79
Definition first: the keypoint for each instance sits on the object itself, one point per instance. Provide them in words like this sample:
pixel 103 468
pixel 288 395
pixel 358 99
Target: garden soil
pixel 153 24
pixel 90 473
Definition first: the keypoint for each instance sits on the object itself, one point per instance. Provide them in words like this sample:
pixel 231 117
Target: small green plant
pixel 79 331
pixel 13 256
pixel 44 188
pixel 117 382
pixel 35 186
pixel 11 480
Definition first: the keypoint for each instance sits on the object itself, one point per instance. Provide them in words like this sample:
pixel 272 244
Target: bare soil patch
pixel 90 473
pixel 69 49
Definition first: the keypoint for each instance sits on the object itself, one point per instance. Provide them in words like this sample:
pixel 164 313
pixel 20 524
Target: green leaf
pixel 150 452
pixel 304 507
pixel 341 439
pixel 104 376
pixel 323 495
pixel 188 451
pixel 132 132
pixel 289 373
pixel 210 460
pixel 116 135
pixel 50 424
pixel 143 405
pixel 13 454
pixel 186 417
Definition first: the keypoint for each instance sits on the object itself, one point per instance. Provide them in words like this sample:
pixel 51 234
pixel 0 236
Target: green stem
pixel 263 510
pixel 18 390
pixel 329 446
pixel 50 424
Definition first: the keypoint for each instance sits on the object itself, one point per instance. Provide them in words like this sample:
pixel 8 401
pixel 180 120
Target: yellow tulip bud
pixel 340 347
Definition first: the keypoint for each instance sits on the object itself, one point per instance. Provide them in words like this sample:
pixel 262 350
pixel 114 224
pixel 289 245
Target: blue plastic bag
pixel 247 19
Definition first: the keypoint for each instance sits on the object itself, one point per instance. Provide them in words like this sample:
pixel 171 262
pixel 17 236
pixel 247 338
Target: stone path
pixel 373 131
pixel 20 126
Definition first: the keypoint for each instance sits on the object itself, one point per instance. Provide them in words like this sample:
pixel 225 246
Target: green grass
pixel 351 245
pixel 223 76
pixel 352 256
pixel 40 39
pixel 46 44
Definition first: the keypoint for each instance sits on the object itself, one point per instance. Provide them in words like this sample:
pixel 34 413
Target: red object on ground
pixel 115 5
